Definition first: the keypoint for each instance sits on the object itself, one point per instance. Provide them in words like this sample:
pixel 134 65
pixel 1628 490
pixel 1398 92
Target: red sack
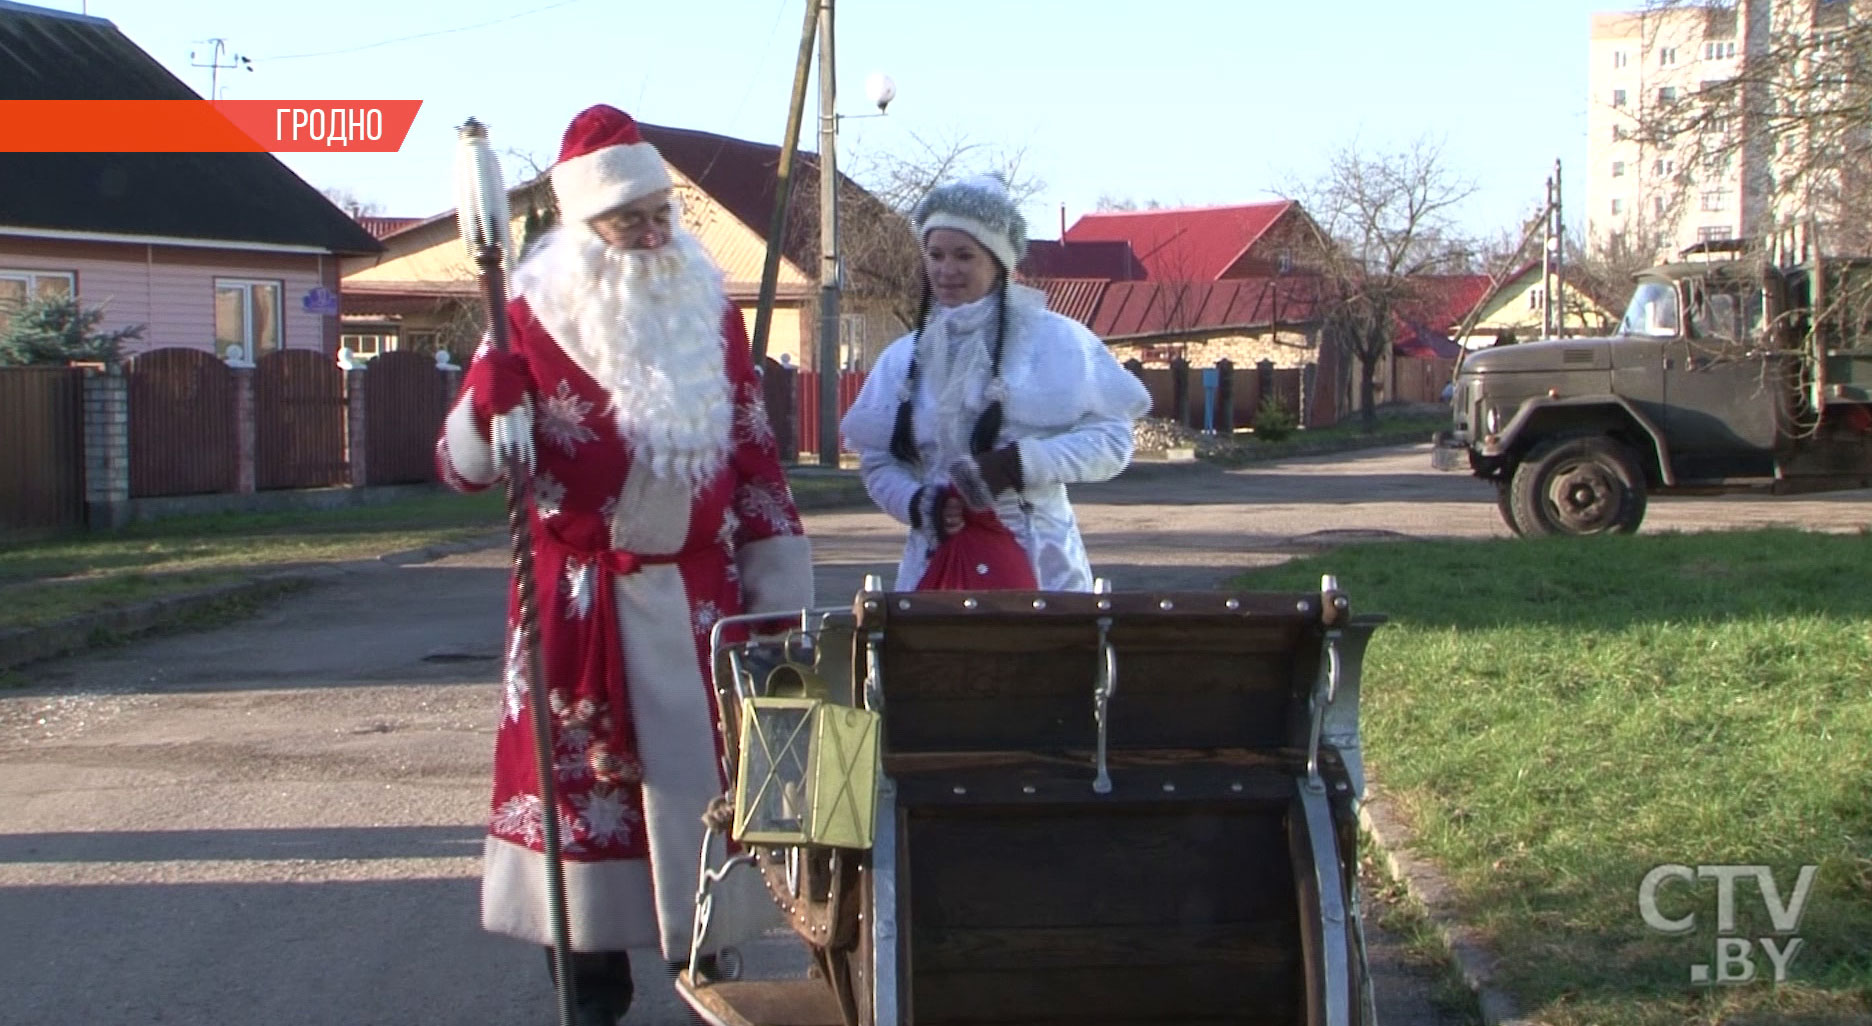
pixel 983 556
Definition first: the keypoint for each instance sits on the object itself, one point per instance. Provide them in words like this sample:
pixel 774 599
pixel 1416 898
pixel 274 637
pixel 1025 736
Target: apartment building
pixel 1648 189
pixel 1721 120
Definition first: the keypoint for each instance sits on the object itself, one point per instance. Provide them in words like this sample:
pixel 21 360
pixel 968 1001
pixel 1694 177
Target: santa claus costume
pixel 659 507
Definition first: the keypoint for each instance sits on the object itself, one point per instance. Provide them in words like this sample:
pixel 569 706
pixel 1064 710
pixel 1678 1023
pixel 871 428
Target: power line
pixel 421 35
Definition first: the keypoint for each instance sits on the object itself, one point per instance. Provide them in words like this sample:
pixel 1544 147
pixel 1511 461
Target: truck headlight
pixel 1492 420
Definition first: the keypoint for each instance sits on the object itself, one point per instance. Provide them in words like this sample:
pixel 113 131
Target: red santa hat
pixel 604 163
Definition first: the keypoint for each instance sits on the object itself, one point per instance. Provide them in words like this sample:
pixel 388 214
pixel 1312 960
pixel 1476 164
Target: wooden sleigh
pixel 1102 809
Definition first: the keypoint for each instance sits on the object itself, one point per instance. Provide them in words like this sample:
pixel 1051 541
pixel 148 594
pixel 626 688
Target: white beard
pixel 646 325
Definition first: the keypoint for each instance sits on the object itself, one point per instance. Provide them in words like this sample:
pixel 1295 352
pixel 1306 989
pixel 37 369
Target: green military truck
pixel 1734 370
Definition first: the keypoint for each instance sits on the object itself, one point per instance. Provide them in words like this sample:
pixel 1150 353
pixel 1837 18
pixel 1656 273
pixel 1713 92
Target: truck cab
pixel 1719 377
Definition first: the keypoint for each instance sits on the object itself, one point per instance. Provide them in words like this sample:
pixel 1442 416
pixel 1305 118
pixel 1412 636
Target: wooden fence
pixel 1420 381
pixel 299 421
pixel 42 464
pixel 405 401
pixel 181 424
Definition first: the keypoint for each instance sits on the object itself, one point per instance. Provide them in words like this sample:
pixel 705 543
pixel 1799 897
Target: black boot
pixel 602 981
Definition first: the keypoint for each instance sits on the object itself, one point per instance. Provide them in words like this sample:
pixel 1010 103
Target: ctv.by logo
pixel 1734 960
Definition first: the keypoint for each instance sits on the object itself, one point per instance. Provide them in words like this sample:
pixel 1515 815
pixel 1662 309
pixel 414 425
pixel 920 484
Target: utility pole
pixel 1558 233
pixel 828 244
pixel 214 65
pixel 783 187
pixel 1547 265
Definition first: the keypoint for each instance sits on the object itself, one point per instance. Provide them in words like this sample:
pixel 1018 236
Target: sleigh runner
pixel 1027 807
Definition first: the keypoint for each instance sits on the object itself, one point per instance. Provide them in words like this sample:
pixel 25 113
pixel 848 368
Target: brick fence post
pixel 246 437
pixel 107 448
pixel 357 442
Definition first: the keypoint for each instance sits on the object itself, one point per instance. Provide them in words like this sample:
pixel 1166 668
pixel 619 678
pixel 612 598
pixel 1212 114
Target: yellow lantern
pixel 807 772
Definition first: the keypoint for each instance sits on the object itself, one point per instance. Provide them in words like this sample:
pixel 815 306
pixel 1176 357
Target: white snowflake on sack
pixel 562 419
pixel 519 816
pixel 513 701
pixel 548 495
pixel 706 613
pixel 764 500
pixel 751 424
pixel 579 583
pixel 607 816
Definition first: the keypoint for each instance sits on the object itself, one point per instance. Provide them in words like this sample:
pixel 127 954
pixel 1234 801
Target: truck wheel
pixel 1504 504
pixel 1581 485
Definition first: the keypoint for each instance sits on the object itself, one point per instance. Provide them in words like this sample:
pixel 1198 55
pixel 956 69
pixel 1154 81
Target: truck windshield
pixel 1652 311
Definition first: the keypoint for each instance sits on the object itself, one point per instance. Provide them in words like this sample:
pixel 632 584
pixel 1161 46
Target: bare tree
pixel 347 201
pixel 1388 215
pixel 881 257
pixel 1790 121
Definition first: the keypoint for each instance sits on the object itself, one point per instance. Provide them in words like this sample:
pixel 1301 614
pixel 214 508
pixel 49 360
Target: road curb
pixel 1425 883
pixel 20 646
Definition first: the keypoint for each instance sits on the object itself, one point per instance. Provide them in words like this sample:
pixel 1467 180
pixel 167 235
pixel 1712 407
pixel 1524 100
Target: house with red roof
pixel 1208 243
pixel 1194 284
pixel 422 292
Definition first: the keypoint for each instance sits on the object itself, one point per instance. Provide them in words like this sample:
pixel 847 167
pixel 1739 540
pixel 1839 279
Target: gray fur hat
pixel 980 208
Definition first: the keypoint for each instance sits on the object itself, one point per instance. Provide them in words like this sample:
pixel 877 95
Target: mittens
pixel 499 385
pixel 500 381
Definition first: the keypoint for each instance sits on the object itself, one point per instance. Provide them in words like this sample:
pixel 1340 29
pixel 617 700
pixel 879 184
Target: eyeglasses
pixel 629 221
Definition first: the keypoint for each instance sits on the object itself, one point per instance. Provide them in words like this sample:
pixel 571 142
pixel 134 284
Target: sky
pixel 1181 102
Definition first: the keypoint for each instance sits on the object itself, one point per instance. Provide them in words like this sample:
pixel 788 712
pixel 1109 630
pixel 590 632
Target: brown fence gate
pixel 404 403
pixel 299 421
pixel 181 424
pixel 42 460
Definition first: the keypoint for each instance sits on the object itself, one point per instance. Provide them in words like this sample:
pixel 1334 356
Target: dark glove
pixel 1001 469
pixel 926 512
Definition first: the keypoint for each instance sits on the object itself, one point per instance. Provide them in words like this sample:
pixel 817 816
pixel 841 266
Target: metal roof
pixel 1184 244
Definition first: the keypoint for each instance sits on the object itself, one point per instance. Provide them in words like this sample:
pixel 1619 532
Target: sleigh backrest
pixel 1016 671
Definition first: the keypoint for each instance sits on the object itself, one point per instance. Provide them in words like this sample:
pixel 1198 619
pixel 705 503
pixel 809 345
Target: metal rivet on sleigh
pixel 808 769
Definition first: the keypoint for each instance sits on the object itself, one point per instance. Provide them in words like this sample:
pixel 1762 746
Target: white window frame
pixel 1666 56
pixel 851 340
pixel 246 342
pixel 381 342
pixel 1618 208
pixel 30 278
pixel 1620 58
pixel 1618 98
pixel 1618 169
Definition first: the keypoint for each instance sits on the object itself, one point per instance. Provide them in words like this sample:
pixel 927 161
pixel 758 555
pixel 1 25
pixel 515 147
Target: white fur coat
pixel 1068 405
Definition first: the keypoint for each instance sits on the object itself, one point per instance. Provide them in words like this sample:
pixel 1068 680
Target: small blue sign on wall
pixel 321 301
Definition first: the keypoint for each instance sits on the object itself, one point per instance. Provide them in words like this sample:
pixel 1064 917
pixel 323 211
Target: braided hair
pixel 987 426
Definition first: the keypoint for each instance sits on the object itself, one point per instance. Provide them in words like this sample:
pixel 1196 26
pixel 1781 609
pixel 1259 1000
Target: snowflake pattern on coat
pixel 751 424
pixel 578 585
pixel 562 419
pixel 514 697
pixel 606 816
pixel 706 613
pixel 548 494
pixel 768 501
pixel 519 818
pixel 725 534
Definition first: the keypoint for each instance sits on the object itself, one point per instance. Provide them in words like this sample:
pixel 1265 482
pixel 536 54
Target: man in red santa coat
pixel 659 506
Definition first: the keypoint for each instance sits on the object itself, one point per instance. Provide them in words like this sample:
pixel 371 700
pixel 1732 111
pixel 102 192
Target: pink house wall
pixel 171 288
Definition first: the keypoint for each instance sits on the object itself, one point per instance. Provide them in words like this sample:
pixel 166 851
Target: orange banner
pixel 198 126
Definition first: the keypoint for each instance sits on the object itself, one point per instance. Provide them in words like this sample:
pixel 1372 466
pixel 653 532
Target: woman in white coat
pixel 993 394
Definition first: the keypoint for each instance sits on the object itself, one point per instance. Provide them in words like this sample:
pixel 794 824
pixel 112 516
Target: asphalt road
pixel 278 821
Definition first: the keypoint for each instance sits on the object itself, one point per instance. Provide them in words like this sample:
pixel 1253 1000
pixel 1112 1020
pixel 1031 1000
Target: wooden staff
pixel 485 229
